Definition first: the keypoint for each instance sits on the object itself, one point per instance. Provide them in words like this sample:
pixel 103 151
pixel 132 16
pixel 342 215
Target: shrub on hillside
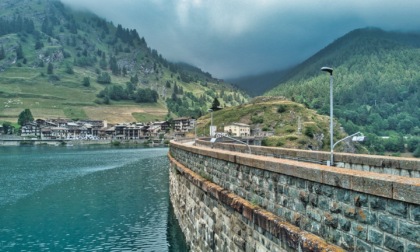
pixel 281 109
pixel 417 152
pixel 310 130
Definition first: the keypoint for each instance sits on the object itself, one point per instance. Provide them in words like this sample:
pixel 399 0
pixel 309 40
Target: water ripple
pixel 91 200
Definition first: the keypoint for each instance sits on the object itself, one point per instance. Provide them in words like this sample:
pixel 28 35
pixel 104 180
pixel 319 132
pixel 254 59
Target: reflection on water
pixel 86 199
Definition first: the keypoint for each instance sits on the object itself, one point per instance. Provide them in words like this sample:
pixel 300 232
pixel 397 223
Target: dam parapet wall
pixel 229 200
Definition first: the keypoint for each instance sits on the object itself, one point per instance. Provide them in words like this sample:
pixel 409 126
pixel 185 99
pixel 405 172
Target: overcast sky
pixel 231 38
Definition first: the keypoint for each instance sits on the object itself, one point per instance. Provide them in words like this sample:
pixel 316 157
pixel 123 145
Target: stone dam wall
pixel 231 201
pixel 407 167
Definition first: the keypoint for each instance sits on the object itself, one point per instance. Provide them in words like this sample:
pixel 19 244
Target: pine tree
pixel 215 105
pixel 2 53
pixel 50 68
pixel 19 52
pixel 86 81
pixel 25 117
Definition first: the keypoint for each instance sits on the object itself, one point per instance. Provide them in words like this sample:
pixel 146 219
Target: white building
pixel 238 129
pixel 184 124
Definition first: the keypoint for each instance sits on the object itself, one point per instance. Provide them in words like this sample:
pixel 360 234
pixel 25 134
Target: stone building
pixel 238 129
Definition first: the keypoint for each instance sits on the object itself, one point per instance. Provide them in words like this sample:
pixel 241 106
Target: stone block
pixel 336 179
pixel 237 204
pixel 365 216
pixel 248 211
pixel 287 214
pixel 327 190
pixel 239 242
pixel 313 199
pixel 305 171
pixel 304 197
pixel 312 186
pixel 349 211
pixel 279 211
pixel 412 247
pixel 301 183
pixel 393 243
pixel 335 207
pixel 281 190
pixel 347 242
pixel 397 208
pixel 314 214
pixel 296 217
pixel 409 164
pixel 414 213
pixel 292 192
pixel 344 224
pixel 310 242
pixel 365 167
pixel 362 246
pixel 377 249
pixel 331 220
pixel 315 228
pixel 409 231
pixel 377 203
pixel 324 203
pixel 377 169
pixel 343 195
pixel 340 164
pixel 291 181
pixel 291 235
pixel 298 206
pixel 407 189
pixel 245 169
pixel 249 161
pixel 371 183
pixel 359 199
pixel 375 236
pixel 388 224
pixel 359 230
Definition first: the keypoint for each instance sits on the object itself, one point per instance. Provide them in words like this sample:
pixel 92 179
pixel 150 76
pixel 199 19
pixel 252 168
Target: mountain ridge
pixel 376 84
pixel 50 49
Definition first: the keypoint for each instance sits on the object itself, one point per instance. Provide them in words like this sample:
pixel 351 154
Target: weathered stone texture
pixel 354 212
pixel 379 164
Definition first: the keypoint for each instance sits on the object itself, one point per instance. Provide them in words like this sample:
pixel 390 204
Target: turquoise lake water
pixel 86 199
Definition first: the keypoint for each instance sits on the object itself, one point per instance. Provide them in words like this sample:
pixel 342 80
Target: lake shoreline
pixel 64 142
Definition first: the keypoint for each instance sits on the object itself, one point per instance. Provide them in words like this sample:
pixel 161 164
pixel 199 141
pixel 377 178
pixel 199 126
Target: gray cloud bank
pixel 231 38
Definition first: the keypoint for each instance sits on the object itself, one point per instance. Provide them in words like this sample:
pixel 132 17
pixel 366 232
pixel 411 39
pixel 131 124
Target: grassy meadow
pixel 66 98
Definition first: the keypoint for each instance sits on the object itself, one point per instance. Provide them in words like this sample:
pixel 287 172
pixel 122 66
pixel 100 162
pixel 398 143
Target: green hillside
pixel 283 122
pixel 64 63
pixel 376 85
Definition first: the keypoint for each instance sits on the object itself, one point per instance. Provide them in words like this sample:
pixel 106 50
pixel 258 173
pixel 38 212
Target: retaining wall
pixel 243 202
pixel 407 167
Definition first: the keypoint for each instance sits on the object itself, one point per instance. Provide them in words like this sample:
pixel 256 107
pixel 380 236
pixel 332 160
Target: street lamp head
pixel 210 110
pixel 327 69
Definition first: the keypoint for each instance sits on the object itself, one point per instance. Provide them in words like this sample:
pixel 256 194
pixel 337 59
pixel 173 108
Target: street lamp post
pixel 211 122
pixel 330 71
pixel 361 138
pixel 195 130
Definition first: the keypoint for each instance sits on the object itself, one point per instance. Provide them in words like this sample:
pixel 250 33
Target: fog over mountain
pixel 237 38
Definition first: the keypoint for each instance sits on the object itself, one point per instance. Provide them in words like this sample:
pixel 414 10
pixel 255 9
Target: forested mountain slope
pixel 256 85
pixel 64 63
pixel 376 82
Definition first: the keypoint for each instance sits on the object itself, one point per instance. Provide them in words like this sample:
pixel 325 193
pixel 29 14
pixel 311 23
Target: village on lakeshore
pixel 67 129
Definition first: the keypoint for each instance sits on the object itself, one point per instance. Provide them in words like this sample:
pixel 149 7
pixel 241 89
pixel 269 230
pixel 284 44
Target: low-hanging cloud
pixel 243 37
